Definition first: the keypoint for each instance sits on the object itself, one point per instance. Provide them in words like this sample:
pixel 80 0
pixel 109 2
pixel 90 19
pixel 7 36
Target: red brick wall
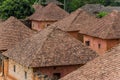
pixel 39 25
pixel 64 70
pixel 105 44
pixel 112 43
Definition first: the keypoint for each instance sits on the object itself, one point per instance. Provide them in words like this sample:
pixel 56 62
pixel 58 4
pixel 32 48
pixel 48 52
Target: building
pixel 75 22
pixel 105 67
pixel 103 34
pixel 46 16
pixel 12 31
pixel 52 52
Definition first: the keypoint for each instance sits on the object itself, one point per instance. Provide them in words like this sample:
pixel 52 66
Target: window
pixel 48 24
pixel 87 43
pixel 56 76
pixel 25 75
pixel 99 46
pixel 14 68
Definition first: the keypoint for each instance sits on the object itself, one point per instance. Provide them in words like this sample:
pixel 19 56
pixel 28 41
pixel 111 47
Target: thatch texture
pixel 51 12
pixel 12 31
pixel 93 8
pixel 105 67
pixel 110 9
pixel 53 1
pixel 38 9
pixel 37 6
pixel 106 28
pixel 75 21
pixel 50 47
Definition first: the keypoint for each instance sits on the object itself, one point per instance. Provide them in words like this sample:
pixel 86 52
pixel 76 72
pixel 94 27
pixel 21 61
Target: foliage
pixel 101 14
pixel 17 8
pixel 22 8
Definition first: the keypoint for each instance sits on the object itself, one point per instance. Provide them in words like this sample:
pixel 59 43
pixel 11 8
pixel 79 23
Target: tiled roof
pixel 50 47
pixel 51 12
pixel 38 9
pixel 12 31
pixel 106 28
pixel 37 6
pixel 75 21
pixel 105 67
pixel 54 1
pixel 92 8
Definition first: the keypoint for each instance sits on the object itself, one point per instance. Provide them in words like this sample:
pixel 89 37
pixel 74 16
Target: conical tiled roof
pixel 50 47
pixel 11 32
pixel 105 67
pixel 53 1
pixel 75 21
pixel 38 9
pixel 50 13
pixel 106 28
pixel 37 6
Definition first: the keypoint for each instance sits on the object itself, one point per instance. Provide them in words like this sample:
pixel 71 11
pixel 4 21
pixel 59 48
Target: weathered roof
pixel 105 67
pixel 37 6
pixel 37 12
pixel 92 8
pixel 54 1
pixel 75 21
pixel 51 12
pixel 50 47
pixel 11 32
pixel 117 0
pixel 106 28
pixel 110 9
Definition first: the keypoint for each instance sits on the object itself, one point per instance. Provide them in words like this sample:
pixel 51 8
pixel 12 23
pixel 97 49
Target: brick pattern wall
pixel 100 45
pixel 63 70
pixel 19 74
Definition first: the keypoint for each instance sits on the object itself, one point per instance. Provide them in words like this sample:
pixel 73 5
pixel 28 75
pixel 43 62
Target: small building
pixel 46 16
pixel 75 22
pixel 12 31
pixel 52 53
pixel 106 67
pixel 103 34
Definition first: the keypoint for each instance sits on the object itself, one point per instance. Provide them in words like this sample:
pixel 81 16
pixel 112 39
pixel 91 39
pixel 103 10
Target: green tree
pixel 17 8
pixel 101 14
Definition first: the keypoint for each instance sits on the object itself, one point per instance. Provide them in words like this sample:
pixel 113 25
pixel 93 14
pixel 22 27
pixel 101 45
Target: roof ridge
pixel 49 33
pixel 80 11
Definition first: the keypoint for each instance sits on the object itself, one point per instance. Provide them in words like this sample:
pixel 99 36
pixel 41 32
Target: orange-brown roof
pixel 37 6
pixel 51 12
pixel 106 28
pixel 53 1
pixel 38 9
pixel 12 31
pixel 75 21
pixel 105 67
pixel 50 47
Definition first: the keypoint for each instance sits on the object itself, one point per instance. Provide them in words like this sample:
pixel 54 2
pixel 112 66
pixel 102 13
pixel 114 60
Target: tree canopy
pixel 22 8
pixel 17 8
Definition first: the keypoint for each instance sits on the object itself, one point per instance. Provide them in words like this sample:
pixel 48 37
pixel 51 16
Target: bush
pixel 101 14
